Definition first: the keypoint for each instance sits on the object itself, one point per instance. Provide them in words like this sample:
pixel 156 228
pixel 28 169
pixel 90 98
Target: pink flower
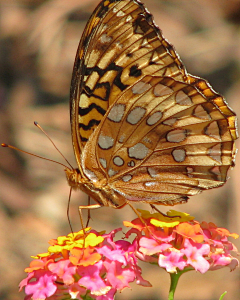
pixel 90 278
pixel 97 271
pixel 150 246
pixel 181 244
pixel 195 253
pixel 172 260
pixel 63 269
pixel 118 276
pixel 111 254
pixel 43 287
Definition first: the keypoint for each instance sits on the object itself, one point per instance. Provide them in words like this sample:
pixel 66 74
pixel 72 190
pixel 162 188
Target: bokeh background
pixel 38 43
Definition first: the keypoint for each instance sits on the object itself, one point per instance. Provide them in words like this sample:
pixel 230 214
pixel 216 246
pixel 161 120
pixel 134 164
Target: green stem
pixel 174 281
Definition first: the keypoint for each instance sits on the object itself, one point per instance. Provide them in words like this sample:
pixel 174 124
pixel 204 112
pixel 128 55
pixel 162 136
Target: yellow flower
pixel 172 219
pixel 80 239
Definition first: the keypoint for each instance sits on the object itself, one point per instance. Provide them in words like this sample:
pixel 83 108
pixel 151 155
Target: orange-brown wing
pixel 119 46
pixel 163 140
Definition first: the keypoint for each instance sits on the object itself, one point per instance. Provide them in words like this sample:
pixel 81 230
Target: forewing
pixel 119 46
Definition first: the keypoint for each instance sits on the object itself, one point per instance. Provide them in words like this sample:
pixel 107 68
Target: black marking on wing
pixel 89 92
pixel 117 81
pixel 89 125
pixel 85 111
pixel 83 139
pixel 111 67
pixel 134 71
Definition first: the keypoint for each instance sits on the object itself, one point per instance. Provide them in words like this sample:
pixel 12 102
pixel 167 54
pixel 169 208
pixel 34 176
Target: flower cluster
pixel 178 243
pixel 91 265
pixel 83 265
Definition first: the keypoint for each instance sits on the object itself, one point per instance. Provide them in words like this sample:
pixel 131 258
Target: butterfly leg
pixel 92 206
pixel 68 208
pixel 140 217
pixel 88 207
pixel 81 217
pixel 164 215
pixel 89 212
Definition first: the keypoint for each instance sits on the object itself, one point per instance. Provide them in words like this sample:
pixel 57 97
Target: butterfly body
pixel 143 129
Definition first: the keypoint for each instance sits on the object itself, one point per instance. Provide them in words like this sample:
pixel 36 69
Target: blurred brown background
pixel 39 40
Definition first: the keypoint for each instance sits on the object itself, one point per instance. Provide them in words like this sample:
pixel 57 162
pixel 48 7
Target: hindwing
pixel 169 140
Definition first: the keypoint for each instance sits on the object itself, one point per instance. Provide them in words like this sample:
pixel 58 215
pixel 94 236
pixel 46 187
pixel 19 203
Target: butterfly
pixel 143 129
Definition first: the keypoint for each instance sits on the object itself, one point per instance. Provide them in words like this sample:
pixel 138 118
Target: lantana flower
pixel 83 266
pixel 178 243
pixel 92 265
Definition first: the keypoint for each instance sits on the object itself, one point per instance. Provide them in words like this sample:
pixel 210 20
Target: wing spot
pixel 154 118
pixel 170 122
pixel 105 38
pixel 140 87
pixel 152 172
pixel 131 163
pixel 120 13
pixel 127 178
pixel 201 113
pixel 118 161
pixel 105 142
pixel 179 155
pixel 138 151
pixel 122 138
pixel 183 99
pixel 176 136
pixel 215 153
pixel 213 130
pixel 119 45
pixel 136 115
pixel 162 90
pixel 129 18
pixel 189 172
pixel 112 172
pixel 150 183
pixel 103 162
pixel 116 113
pixel 146 44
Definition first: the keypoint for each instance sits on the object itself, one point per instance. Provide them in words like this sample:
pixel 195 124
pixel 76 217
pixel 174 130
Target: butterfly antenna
pixel 15 148
pixel 39 127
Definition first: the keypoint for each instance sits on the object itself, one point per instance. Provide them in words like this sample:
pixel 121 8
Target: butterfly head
pixel 100 190
pixel 74 177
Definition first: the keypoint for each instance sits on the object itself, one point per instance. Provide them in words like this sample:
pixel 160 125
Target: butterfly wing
pixel 140 123
pixel 163 140
pixel 119 46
